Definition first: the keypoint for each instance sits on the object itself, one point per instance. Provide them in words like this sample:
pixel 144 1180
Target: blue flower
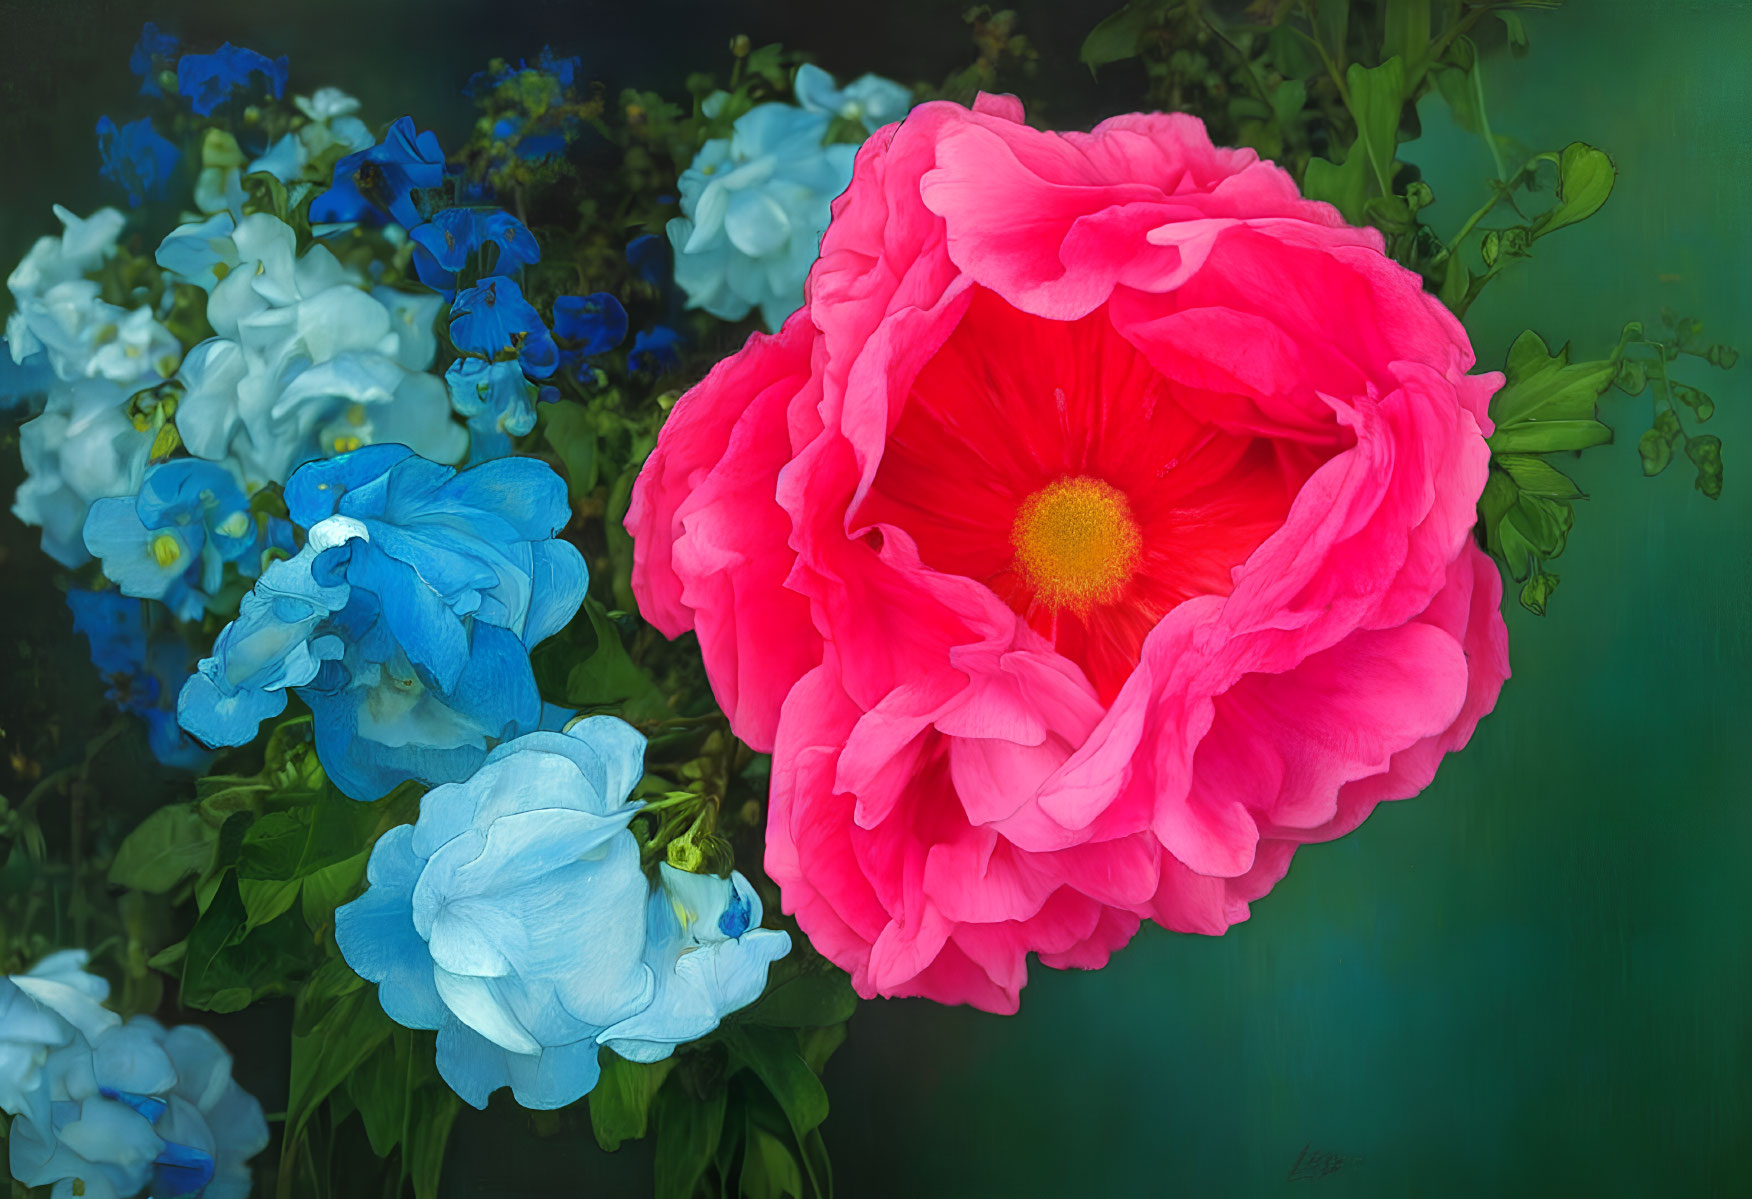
pixel 385 175
pixel 645 255
pixel 870 100
pixel 497 401
pixel 152 54
pixel 444 245
pixel 171 542
pixel 493 320
pixel 513 918
pixel 655 350
pixel 587 326
pixel 143 664
pixel 136 158
pixel 208 80
pixel 53 1004
pixel 405 622
pixel 709 955
pixel 140 1108
pixel 754 207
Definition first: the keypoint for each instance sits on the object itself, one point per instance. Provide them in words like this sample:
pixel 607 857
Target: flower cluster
pixel 513 917
pixel 109 1109
pixel 85 445
pixel 308 360
pixel 406 620
pixel 754 205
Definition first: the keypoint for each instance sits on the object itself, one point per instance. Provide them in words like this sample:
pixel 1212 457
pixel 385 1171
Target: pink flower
pixel 1098 533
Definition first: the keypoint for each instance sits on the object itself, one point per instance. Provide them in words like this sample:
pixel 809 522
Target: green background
pixel 1536 978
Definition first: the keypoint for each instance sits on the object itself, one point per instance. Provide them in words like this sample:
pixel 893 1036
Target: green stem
pixel 1496 157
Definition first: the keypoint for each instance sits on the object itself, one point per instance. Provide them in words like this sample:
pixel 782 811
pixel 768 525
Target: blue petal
pixel 556 591
pixel 316 488
pixel 377 937
pixel 597 322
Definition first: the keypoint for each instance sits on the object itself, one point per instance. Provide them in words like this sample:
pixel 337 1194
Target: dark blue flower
pixel 136 157
pixel 492 320
pixel 143 668
pixel 655 350
pixel 566 70
pixel 444 245
pixel 152 54
pixel 645 255
pixel 590 325
pixel 385 175
pixel 208 80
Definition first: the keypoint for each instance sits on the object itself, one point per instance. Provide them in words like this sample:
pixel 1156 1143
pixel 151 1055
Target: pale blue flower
pixel 709 955
pixel 754 207
pixel 138 1108
pixel 406 621
pixel 870 100
pixel 53 1004
pixel 82 448
pixel 513 917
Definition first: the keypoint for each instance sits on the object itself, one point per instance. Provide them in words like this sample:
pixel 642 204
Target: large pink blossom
pixel 1098 532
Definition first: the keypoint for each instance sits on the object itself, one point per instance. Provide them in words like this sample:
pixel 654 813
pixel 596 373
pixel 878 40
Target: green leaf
pixel 1536 591
pixel 380 1090
pixel 1454 78
pixel 1692 398
pixel 769 1171
pixel 816 997
pixel 1455 283
pixel 1377 96
pixel 1534 476
pixel 568 429
pixel 1656 452
pixel 1705 452
pixel 688 1130
pixel 1547 403
pixel 326 889
pixel 1632 377
pixel 332 980
pixel 772 1055
pixel 1584 180
pixel 1517 32
pixel 434 1114
pixel 1549 436
pixel 168 846
pixel 264 900
pixel 336 1045
pixel 1116 38
pixel 1288 99
pixel 230 963
pixel 620 1104
pixel 1343 187
pixel 604 676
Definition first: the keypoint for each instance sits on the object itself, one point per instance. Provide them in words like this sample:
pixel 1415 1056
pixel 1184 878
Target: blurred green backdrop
pixel 1535 979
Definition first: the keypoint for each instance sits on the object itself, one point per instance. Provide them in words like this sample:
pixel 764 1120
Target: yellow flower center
pixel 166 549
pixel 1076 542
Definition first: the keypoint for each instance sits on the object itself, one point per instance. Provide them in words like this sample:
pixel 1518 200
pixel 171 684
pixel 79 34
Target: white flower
pixel 59 310
pixel 291 159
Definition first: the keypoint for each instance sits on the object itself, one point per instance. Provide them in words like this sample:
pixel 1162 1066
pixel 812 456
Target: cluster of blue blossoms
pixel 363 529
